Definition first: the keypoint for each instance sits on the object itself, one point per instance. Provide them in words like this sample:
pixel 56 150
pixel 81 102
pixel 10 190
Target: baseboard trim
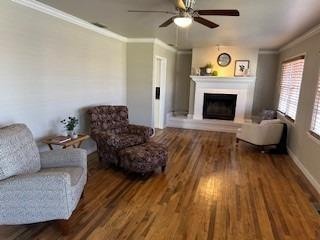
pixel 305 171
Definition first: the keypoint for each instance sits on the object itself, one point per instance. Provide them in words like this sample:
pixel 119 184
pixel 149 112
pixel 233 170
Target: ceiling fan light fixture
pixel 183 22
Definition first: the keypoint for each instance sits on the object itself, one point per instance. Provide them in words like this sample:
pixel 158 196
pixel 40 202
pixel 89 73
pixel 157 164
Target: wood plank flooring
pixel 211 190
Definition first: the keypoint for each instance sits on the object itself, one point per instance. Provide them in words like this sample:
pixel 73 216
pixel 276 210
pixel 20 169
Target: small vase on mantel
pixel 208 70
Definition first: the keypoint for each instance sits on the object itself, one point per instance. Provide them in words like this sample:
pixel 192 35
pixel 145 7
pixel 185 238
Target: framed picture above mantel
pixel 241 68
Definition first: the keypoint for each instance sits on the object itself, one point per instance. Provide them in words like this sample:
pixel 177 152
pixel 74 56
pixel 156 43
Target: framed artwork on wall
pixel 241 68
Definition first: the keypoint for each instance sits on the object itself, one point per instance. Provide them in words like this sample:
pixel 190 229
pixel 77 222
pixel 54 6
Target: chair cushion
pixel 125 140
pixel 19 153
pixel 144 158
pixel 74 172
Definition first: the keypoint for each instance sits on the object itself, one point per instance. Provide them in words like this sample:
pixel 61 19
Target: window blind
pixel 291 77
pixel 315 126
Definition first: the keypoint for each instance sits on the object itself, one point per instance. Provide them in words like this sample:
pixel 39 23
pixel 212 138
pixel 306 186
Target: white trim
pixel 41 7
pixel 152 40
pixel 313 138
pixel 306 173
pixel 141 40
pixel 164 45
pixel 68 18
pixel 305 36
pixel 163 80
pixel 268 52
pixel 303 54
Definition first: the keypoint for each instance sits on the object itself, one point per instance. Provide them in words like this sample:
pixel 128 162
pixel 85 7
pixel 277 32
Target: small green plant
pixel 209 65
pixel 70 123
pixel 215 73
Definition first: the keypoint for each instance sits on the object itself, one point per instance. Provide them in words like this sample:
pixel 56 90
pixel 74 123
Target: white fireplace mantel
pixel 243 87
pixel 212 79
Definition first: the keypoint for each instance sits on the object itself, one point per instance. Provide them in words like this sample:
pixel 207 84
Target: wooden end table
pixel 75 143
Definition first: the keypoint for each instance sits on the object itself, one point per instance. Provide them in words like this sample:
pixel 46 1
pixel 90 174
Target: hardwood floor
pixel 211 190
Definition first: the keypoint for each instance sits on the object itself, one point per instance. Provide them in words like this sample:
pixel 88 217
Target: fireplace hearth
pixel 219 106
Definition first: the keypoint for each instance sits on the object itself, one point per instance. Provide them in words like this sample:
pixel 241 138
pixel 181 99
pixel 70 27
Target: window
pixel 315 126
pixel 291 77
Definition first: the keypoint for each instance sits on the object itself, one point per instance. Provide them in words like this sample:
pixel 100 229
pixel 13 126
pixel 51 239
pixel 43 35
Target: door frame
pixel 163 79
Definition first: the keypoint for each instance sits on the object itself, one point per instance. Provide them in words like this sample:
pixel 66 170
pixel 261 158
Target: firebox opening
pixel 219 106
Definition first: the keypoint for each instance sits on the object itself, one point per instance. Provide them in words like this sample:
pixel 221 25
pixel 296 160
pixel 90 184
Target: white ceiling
pixel 266 24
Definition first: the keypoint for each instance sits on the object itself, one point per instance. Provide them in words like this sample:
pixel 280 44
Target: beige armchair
pixel 267 133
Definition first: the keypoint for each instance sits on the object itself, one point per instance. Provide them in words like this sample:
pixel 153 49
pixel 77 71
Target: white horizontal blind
pixel 291 77
pixel 315 127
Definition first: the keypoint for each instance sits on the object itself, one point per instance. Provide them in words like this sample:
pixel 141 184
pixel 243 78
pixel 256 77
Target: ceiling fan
pixel 185 14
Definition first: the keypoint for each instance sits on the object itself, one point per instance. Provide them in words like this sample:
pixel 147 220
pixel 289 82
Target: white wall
pixel 50 69
pixel 267 70
pixel 182 82
pixel 305 148
pixel 141 57
pixel 140 75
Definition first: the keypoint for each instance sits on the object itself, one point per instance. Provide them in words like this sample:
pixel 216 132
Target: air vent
pixel 99 25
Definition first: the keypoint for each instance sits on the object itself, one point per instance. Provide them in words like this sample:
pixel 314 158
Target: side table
pixel 75 143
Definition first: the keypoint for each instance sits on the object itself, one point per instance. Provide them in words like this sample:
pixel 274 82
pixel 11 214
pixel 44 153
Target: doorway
pixel 158 89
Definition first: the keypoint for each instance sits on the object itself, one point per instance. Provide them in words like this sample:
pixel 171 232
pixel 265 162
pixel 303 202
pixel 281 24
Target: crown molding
pixel 185 52
pixel 313 31
pixel 153 41
pixel 164 45
pixel 268 52
pixel 141 40
pixel 41 7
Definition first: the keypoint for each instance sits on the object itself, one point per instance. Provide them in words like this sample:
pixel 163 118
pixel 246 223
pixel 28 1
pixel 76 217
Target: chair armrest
pixel 146 132
pixel 258 134
pixel 36 197
pixel 64 158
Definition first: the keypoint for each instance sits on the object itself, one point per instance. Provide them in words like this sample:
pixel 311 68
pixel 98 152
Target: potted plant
pixel 214 73
pixel 70 124
pixel 209 68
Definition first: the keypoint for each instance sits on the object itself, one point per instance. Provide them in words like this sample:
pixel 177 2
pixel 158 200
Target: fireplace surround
pixel 241 87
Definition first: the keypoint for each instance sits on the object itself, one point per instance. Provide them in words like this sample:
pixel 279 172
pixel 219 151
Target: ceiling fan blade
pixel 151 11
pixel 220 12
pixel 180 4
pixel 167 23
pixel 205 22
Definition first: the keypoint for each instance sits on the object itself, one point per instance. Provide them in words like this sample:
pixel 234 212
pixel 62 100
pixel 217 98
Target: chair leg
pixel 63 226
pixel 163 168
pixel 237 142
pixel 82 195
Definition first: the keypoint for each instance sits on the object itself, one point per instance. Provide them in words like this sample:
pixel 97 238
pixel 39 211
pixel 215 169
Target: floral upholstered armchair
pixel 112 132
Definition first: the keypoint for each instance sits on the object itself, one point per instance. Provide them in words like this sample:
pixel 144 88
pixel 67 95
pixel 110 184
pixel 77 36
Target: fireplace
pixel 219 106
